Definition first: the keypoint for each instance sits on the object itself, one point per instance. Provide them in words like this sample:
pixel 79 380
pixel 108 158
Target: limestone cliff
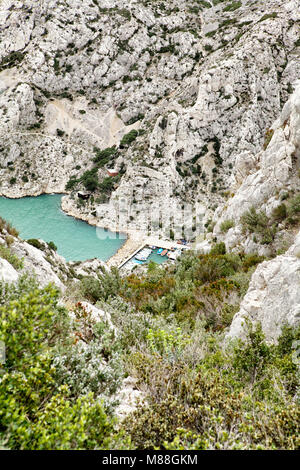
pixel 190 101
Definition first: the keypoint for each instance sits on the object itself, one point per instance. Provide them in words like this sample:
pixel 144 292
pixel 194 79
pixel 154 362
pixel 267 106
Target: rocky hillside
pixel 189 101
pixel 179 94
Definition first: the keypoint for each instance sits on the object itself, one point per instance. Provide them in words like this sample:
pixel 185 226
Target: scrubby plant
pixel 6 253
pixel 34 412
pixel 94 364
pixel 279 213
pixel 294 206
pixel 52 246
pixel 259 224
pixel 218 249
pixel 233 6
pixel 268 136
pixel 36 243
pixel 127 139
pixel 229 401
pixel 104 156
pixel 226 225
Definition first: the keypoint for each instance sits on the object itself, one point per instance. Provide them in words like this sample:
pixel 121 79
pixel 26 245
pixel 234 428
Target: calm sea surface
pixel 41 217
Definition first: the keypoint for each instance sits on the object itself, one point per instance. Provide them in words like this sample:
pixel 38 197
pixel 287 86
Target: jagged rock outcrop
pixel 35 263
pixel 183 96
pixel 273 297
pixel 98 315
pixel 7 272
pixel 129 396
pixel 272 173
pixel 200 83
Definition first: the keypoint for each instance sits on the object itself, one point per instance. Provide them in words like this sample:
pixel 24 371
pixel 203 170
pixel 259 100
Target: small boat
pixel 163 253
pixel 143 255
pixel 153 247
pixel 159 251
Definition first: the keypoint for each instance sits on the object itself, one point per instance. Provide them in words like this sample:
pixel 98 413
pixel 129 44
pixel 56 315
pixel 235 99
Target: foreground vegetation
pixel 62 371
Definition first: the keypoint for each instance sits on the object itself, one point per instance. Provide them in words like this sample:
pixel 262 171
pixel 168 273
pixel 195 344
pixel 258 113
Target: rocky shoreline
pixel 134 238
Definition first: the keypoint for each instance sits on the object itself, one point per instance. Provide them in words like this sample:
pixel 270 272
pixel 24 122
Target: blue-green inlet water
pixel 41 217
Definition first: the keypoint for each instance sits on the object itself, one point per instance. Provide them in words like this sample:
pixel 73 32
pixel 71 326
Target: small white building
pixel 112 172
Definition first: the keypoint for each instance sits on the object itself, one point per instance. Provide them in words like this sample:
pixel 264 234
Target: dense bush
pixel 6 253
pixel 226 225
pixel 7 227
pixel 198 285
pixel 230 400
pixel 36 243
pixel 58 383
pixel 104 156
pixel 127 139
pixel 52 246
pixel 34 413
pixel 258 223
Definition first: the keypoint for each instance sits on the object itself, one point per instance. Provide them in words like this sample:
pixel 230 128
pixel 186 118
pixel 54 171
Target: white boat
pixel 143 255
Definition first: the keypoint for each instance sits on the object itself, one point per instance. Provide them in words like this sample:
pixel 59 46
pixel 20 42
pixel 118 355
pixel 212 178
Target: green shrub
pixel 52 246
pixel 107 184
pixel 294 206
pixel 268 136
pixel 127 139
pixel 71 183
pixel 268 16
pixel 226 225
pixel 36 243
pixel 36 414
pixel 251 260
pixel 11 230
pixel 258 223
pixel 279 213
pixel 60 133
pixel 218 249
pixel 7 254
pixel 253 221
pixel 233 6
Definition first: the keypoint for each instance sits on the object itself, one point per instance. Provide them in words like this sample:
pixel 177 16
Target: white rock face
pixel 7 272
pixel 272 172
pixel 273 297
pixel 201 86
pixel 78 74
pixel 35 264
pixel 129 396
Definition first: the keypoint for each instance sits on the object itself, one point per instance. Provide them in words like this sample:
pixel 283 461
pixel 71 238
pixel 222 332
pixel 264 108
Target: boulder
pixel 7 272
pixel 273 297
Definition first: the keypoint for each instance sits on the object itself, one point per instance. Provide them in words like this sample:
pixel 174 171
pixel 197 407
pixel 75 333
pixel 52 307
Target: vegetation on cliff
pixel 62 368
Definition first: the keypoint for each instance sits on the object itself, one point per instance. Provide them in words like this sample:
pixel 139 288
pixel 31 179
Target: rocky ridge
pixel 192 102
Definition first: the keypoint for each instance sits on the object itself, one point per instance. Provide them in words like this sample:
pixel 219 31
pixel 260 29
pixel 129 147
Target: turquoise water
pixel 157 258
pixel 41 217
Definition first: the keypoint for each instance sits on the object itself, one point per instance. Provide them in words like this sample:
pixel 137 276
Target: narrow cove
pixel 41 217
